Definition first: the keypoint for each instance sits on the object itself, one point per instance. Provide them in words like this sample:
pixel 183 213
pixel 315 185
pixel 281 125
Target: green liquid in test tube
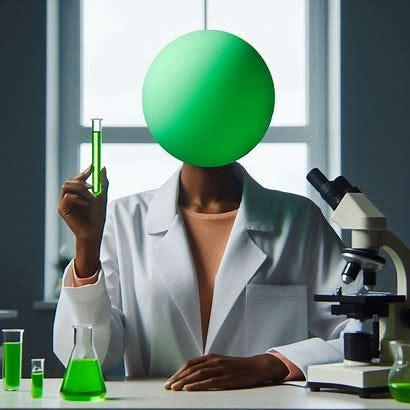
pixel 12 352
pixel 96 136
pixel 12 355
pixel 37 384
pixel 37 377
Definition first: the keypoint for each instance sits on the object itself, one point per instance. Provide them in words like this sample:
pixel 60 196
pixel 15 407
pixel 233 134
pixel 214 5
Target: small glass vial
pixel 83 380
pixel 37 377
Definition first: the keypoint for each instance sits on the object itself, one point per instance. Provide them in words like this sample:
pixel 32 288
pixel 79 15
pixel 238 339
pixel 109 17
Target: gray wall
pixel 375 77
pixel 22 113
pixel 375 139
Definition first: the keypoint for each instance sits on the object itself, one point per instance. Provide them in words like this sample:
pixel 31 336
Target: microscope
pixel 368 357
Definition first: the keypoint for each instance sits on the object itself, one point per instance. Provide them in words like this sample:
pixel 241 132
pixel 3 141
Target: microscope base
pixel 364 380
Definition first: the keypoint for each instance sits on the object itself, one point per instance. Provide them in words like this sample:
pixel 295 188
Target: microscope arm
pixel 396 249
pixel 400 255
pixel 396 326
pixel 368 226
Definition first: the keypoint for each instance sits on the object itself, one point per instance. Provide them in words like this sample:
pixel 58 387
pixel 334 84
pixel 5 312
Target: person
pixel 207 280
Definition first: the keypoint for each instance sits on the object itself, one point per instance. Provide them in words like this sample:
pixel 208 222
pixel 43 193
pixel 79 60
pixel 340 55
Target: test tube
pixel 96 135
pixel 12 353
pixel 37 377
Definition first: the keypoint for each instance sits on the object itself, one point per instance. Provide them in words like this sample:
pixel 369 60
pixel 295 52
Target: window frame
pixel 71 133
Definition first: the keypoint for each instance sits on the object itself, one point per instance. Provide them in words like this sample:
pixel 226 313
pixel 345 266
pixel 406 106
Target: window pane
pixel 120 38
pixel 140 167
pixel 277 29
pixel 279 166
pixel 132 168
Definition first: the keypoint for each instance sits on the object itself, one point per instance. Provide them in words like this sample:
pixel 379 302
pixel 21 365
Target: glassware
pixel 12 353
pixel 399 375
pixel 96 136
pixel 37 377
pixel 83 380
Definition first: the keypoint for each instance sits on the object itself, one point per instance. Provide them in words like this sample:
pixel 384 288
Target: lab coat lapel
pixel 242 256
pixel 172 257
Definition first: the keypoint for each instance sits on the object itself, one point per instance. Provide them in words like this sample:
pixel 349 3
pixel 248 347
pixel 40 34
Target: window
pixel 143 166
pixel 115 59
pixel 106 47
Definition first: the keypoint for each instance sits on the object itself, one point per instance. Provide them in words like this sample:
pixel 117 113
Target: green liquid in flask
pixel 96 162
pixel 11 365
pixel 37 384
pixel 83 381
pixel 400 391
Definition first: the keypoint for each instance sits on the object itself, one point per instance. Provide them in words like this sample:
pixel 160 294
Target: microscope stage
pixel 361 299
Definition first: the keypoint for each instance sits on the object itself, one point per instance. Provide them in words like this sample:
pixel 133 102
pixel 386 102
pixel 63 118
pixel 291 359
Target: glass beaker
pixel 83 380
pixel 12 353
pixel 399 375
pixel 37 377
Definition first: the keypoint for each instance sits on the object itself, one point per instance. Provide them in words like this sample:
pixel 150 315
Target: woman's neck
pixel 209 190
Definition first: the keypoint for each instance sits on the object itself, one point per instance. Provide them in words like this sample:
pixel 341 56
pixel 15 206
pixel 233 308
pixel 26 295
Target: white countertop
pixel 150 394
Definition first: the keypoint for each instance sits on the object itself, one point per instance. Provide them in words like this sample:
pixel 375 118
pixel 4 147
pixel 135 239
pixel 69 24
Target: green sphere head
pixel 208 98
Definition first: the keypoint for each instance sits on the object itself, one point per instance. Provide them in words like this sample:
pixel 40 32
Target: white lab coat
pixel 145 305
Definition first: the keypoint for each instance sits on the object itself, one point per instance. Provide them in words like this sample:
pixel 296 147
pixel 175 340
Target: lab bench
pixel 150 394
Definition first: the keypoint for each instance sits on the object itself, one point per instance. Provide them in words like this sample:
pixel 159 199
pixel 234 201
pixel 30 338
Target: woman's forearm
pixel 87 258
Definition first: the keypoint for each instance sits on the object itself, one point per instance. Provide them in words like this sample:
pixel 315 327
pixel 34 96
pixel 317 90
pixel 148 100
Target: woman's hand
pixel 225 372
pixel 84 214
pixel 81 210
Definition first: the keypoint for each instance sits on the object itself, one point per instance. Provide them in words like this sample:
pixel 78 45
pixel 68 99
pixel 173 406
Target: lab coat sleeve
pixel 98 304
pixel 323 265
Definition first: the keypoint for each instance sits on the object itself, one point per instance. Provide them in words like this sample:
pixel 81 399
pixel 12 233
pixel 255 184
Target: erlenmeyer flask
pixel 83 379
pixel 399 375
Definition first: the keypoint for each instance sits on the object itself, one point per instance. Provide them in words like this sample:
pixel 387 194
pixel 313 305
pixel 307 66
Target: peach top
pixel 208 235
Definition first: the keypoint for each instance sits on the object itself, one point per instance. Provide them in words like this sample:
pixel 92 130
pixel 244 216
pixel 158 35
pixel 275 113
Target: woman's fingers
pixel 87 221
pixel 67 202
pixel 104 175
pixel 76 187
pixel 73 198
pixel 104 180
pixel 198 376
pixel 82 176
pixel 192 369
pixel 79 185
pixel 187 365
pixel 218 382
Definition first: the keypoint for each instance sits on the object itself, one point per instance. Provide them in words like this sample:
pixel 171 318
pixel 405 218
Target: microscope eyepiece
pixel 331 191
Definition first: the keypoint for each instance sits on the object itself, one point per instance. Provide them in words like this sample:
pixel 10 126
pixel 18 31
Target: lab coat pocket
pixel 274 316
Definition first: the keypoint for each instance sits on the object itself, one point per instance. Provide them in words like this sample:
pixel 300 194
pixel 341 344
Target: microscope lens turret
pixel 369 279
pixel 361 259
pixel 350 272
